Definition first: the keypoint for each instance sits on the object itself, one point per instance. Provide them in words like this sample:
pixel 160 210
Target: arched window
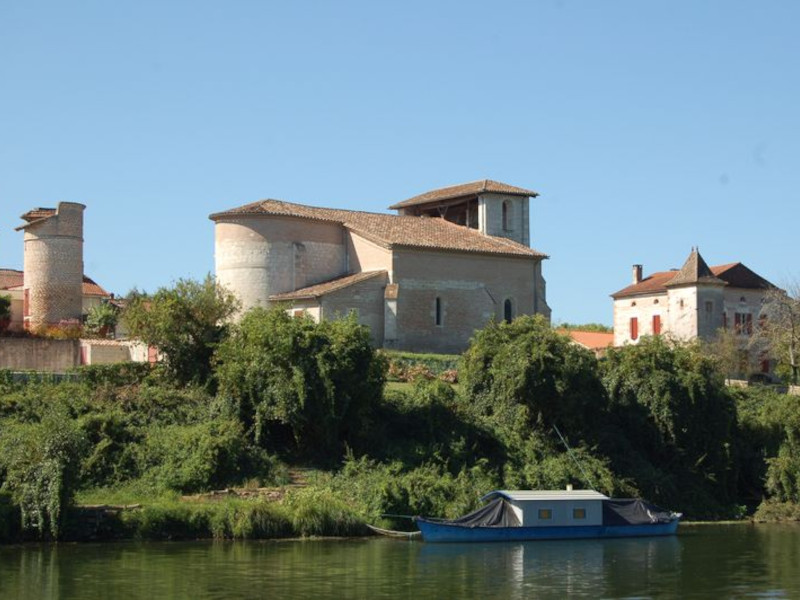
pixel 507 215
pixel 438 311
pixel 508 310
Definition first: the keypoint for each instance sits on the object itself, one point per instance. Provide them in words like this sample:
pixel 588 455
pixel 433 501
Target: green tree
pixel 42 461
pixel 523 375
pixel 778 331
pixel 5 311
pixel 675 423
pixel 185 322
pixel 316 382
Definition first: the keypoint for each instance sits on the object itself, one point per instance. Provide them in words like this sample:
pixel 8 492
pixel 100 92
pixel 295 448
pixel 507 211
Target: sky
pixel 646 127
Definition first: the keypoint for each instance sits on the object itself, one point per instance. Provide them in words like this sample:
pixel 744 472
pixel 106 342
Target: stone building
pixel 423 280
pixel 51 289
pixel 692 302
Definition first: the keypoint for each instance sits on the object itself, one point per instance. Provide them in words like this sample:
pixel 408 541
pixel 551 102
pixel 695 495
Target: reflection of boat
pixel 551 515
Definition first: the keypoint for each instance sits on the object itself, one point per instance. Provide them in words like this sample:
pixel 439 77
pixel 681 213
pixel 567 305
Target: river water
pixel 709 561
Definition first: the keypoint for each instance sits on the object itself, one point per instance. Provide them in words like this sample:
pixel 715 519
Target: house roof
pixel 326 287
pixel 391 230
pixel 12 279
pixel 732 274
pixel 739 276
pixel 593 340
pixel 465 189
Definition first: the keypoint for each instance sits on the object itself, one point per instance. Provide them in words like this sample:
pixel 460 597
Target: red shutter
pixel 634 328
pixel 656 324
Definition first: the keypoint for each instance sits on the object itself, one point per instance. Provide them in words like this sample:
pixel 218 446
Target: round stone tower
pixel 53 259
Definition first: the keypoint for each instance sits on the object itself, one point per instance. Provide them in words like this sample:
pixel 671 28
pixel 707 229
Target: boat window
pixel 545 514
pixel 578 513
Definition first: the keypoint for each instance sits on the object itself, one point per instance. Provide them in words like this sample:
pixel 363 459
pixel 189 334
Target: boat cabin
pixel 553 508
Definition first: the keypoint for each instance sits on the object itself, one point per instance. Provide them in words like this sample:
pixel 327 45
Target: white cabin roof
pixel 521 495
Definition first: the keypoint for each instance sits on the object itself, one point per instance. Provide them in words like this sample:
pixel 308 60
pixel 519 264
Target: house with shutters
pixel 424 279
pixel 694 301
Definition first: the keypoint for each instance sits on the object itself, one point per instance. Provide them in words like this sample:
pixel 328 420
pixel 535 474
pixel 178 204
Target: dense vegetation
pixel 273 392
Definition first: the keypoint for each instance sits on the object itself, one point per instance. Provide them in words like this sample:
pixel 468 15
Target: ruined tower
pixel 53 265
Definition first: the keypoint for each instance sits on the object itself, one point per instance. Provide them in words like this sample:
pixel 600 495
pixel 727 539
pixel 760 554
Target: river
pixel 708 561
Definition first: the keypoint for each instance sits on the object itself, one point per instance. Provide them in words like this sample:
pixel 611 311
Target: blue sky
pixel 647 127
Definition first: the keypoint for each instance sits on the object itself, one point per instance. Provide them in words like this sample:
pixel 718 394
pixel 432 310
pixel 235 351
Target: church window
pixel 438 316
pixel 508 310
pixel 634 328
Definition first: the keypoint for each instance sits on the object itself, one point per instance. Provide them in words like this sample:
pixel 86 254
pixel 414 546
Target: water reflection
pixel 702 562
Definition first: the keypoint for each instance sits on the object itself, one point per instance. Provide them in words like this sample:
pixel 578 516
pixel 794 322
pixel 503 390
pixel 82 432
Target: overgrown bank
pixel 653 420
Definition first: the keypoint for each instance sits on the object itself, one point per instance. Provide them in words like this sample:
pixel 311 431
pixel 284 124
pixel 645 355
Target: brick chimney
pixel 637 274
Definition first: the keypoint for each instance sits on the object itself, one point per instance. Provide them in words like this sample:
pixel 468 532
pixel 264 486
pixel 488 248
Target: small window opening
pixel 507 215
pixel 508 311
pixel 438 311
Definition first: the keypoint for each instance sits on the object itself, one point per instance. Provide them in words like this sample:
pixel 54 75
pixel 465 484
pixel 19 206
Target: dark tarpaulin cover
pixel 633 512
pixel 498 513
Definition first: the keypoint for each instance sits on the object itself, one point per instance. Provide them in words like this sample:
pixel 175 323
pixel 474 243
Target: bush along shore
pixel 133 452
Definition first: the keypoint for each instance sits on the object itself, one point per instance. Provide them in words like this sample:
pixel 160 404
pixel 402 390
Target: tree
pixel 524 375
pixel 675 421
pixel 185 322
pixel 102 319
pixel 778 331
pixel 317 382
pixel 42 461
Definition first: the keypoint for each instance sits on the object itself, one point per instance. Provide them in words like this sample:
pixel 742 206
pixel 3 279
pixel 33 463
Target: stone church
pixel 423 279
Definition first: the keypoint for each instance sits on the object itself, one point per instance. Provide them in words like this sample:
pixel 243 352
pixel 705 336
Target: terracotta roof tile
pixel 392 230
pixel 694 270
pixel 38 213
pixel 10 278
pixel 465 189
pixel 594 340
pixel 326 287
pixel 733 274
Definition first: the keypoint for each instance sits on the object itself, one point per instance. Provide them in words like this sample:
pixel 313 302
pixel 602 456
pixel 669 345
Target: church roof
pixel 465 189
pixel 326 287
pixel 732 274
pixel 391 230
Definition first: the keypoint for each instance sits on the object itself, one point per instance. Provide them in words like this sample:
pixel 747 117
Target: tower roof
pixel 694 271
pixel 473 188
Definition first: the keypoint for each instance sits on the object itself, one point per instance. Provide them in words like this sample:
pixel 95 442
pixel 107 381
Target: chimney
pixel 637 274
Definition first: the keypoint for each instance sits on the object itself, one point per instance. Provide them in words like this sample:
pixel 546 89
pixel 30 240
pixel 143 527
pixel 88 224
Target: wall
pixel 366 298
pixel 258 256
pixel 364 255
pixel 490 210
pixel 644 308
pixel 24 354
pixel 472 289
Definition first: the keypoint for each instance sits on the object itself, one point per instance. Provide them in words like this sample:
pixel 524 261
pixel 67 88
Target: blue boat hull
pixel 442 532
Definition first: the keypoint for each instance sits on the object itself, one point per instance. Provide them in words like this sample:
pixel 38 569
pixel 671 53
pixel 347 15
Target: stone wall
pixel 471 288
pixel 256 257
pixel 31 354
